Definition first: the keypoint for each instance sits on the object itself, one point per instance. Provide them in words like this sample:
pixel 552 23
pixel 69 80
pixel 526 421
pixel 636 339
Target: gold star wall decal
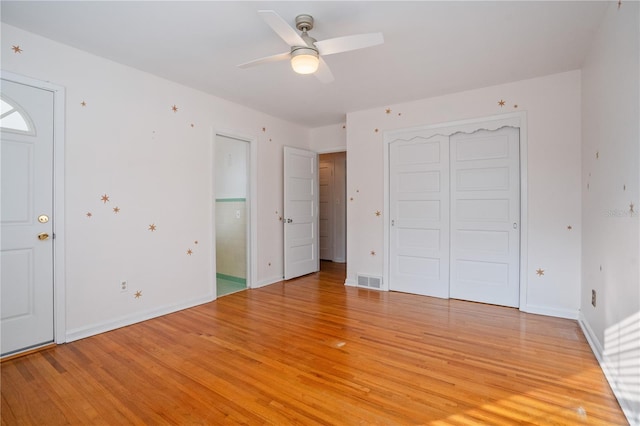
pixel 624 187
pixel 515 106
pixel 597 155
pixel 16 49
pixel 373 253
pixel 104 198
pixel 195 242
pixel 174 108
pixel 138 294
pixel 264 129
pixel 399 114
pixel 540 272
pixel 376 130
pixel 388 110
pixel 631 206
pixel 351 199
pixel 378 213
pixel 619 3
pixel 116 209
pixel 569 227
pixel 501 103
pixel 83 103
pixel 189 252
pixel 192 125
pixel 89 214
pixel 152 227
pixel 344 126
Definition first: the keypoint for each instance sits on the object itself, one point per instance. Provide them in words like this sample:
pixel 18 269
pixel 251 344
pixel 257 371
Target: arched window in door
pixel 13 118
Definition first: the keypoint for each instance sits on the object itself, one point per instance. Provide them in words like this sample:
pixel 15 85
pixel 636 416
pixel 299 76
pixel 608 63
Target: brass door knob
pixel 43 236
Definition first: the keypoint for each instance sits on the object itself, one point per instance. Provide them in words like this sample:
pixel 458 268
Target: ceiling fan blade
pixel 280 26
pixel 347 43
pixel 324 74
pixel 266 59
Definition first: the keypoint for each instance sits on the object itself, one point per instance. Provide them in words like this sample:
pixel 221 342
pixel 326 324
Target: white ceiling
pixel 430 49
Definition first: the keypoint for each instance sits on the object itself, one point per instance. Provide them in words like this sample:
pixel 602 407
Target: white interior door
pixel 419 219
pixel 485 216
pixel 300 212
pixel 26 259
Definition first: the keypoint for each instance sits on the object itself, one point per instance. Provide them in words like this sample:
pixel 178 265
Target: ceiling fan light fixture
pixel 304 60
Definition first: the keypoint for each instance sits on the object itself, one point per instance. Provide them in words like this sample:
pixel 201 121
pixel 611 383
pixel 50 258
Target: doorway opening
pixel 332 207
pixel 232 214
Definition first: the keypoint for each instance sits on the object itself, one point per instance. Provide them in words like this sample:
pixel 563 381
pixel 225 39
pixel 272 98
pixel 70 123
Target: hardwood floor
pixel 312 351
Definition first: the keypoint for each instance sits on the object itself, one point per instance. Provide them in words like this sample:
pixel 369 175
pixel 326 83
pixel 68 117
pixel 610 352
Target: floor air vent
pixel 369 281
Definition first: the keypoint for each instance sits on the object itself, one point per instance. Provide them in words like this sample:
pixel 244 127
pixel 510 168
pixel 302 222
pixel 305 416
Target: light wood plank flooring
pixel 312 351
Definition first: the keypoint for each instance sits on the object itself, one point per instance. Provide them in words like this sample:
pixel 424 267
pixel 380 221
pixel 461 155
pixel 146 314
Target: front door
pixel 300 212
pixel 26 252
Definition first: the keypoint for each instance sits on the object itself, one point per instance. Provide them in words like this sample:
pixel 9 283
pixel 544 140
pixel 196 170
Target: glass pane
pixel 4 107
pixel 11 117
pixel 14 121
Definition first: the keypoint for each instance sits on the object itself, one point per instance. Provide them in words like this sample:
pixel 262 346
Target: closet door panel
pixel 419 208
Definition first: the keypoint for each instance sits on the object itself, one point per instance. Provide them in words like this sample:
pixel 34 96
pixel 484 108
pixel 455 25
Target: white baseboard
pixel 268 281
pixel 92 330
pixel 598 351
pixel 551 312
pixel 350 283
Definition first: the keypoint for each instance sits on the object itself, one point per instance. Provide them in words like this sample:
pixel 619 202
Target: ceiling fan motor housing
pixel 304 23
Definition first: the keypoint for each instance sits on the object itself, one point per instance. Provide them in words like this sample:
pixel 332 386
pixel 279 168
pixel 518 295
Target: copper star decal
pixel 192 125
pixel 89 214
pixel 195 242
pixel 104 198
pixel 152 227
pixel 373 253
pixel 174 108
pixel 515 106
pixel 83 103
pixel 116 209
pixel 399 114
pixel 189 252
pixel 16 49
pixel 388 110
pixel 378 213
pixel 264 129
pixel 619 3
pixel 540 272
pixel 631 208
pixel 501 103
pixel 138 294
pixel 569 227
pixel 376 130
pixel 351 199
pixel 597 155
pixel 344 126
pixel 624 187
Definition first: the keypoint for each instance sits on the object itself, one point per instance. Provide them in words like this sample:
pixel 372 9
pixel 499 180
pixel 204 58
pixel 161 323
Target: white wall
pixel 331 138
pixel 156 166
pixel 552 105
pixel 610 183
pixel 231 162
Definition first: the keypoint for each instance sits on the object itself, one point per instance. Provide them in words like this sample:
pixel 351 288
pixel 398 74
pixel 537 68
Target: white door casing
pixel 518 121
pixel 27 282
pixel 300 212
pixel 419 216
pixel 485 216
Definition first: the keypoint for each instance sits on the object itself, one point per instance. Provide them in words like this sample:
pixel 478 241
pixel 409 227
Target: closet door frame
pixel 519 120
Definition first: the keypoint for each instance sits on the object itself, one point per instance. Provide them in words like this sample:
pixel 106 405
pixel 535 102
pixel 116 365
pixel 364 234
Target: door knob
pixel 43 218
pixel 43 236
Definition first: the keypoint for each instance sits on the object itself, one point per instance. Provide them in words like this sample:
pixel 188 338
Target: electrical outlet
pixel 123 287
pixel 593 298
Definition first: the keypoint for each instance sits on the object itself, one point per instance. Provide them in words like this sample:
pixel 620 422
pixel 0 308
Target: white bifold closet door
pixel 485 216
pixel 455 216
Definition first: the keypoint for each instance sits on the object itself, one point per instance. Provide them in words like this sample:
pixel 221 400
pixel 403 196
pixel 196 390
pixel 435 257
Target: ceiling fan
pixel 306 52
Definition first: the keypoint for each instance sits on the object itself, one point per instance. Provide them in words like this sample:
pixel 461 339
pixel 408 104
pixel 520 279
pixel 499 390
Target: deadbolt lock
pixel 43 218
pixel 43 236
